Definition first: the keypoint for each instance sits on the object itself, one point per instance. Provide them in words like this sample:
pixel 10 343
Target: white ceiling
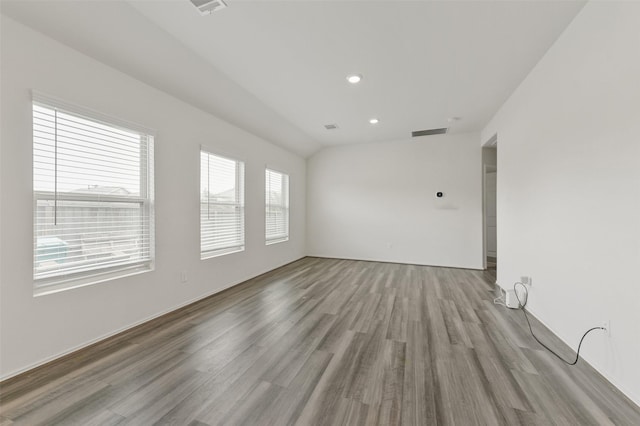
pixel 278 68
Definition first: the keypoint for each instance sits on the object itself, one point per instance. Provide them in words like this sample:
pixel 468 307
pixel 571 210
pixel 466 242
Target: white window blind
pixel 221 205
pixel 277 206
pixel 93 192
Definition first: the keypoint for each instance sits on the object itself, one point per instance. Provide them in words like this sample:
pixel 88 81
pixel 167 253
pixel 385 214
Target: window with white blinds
pixel 93 198
pixel 277 206
pixel 221 205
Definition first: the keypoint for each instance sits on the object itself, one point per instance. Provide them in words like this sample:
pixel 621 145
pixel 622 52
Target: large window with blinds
pixel 277 206
pixel 221 205
pixel 93 197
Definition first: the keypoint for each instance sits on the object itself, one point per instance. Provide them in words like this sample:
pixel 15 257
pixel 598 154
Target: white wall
pixel 377 201
pixel 569 187
pixel 35 329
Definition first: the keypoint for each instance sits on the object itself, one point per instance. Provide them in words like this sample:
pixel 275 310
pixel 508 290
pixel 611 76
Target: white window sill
pixel 279 240
pixel 222 252
pixel 64 284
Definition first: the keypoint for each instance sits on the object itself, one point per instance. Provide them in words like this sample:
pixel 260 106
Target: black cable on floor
pixel 524 311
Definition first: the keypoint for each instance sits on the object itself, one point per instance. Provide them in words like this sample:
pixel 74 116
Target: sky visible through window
pixel 90 155
pixel 218 177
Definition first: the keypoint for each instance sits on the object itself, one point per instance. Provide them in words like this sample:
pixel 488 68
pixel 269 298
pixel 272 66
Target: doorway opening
pixel 490 213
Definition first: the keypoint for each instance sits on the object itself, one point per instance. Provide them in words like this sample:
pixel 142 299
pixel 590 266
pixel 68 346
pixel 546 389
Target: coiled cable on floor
pixel 522 306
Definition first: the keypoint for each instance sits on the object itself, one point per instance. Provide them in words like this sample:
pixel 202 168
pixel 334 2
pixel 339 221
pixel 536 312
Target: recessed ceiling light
pixel 354 78
pixel 374 121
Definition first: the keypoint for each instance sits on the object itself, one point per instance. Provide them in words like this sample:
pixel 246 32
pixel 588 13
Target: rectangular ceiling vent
pixel 207 7
pixel 429 132
pixel 330 126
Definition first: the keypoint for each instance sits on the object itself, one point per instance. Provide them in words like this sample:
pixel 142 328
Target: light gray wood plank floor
pixel 325 342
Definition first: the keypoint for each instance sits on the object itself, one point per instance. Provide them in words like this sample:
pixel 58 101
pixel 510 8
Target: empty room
pixel 305 212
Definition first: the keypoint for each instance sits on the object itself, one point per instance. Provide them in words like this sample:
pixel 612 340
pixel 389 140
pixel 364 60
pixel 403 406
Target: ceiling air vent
pixel 330 126
pixel 429 132
pixel 206 7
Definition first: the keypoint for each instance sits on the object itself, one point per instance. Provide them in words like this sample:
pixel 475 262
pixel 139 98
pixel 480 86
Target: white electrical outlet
pixel 183 276
pixel 525 280
pixel 607 327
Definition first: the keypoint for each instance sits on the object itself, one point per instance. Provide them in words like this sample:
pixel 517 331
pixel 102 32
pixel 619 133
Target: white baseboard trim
pixel 365 259
pixel 634 398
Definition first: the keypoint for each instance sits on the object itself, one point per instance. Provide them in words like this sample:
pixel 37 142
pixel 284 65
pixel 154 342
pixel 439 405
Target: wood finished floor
pixel 326 342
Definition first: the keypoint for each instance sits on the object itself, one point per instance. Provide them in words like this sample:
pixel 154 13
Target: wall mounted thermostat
pixel 439 194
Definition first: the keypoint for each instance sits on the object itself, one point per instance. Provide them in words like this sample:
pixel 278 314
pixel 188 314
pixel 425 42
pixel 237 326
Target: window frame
pixel 61 280
pixel 239 205
pixel 285 206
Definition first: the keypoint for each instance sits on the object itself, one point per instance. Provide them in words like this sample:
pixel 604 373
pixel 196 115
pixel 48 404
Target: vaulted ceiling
pixel 278 68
